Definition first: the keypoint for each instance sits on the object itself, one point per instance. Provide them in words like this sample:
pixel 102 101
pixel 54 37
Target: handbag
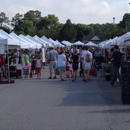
pixel 93 71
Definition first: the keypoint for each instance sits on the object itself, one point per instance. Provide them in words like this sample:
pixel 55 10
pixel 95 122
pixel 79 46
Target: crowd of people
pixel 61 61
pixel 66 62
pixel 31 64
pixel 69 61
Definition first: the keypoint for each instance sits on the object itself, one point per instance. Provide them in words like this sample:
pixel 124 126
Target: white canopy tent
pixel 8 39
pixel 56 44
pixel 67 43
pixel 4 45
pixel 24 44
pixel 47 40
pixel 114 41
pixel 102 44
pixel 90 44
pixel 124 40
pixel 48 44
pixel 9 42
pixel 35 40
pixel 37 45
pixel 78 43
pixel 61 45
pixel 107 44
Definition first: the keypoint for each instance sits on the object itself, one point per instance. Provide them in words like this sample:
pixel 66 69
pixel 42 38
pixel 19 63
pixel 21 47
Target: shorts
pixel 33 68
pixel 61 68
pixel 27 64
pixel 38 68
pixel 86 68
pixel 75 67
pixel 53 65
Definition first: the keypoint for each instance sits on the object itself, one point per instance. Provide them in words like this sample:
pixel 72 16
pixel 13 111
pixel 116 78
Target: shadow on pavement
pixel 95 93
pixel 112 111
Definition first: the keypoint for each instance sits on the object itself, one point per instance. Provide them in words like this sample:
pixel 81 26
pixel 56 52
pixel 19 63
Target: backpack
pixel 88 58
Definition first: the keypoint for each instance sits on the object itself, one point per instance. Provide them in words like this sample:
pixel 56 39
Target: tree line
pixel 32 23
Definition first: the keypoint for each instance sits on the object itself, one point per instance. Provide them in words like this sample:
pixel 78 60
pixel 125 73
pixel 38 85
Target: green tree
pixel 16 22
pixel 3 19
pixel 83 29
pixel 49 26
pixel 6 29
pixel 125 23
pixel 33 16
pixel 50 21
pixel 27 28
pixel 68 32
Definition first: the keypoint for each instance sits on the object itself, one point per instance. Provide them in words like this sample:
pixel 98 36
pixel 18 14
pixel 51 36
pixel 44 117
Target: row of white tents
pixel 122 41
pixel 87 44
pixel 26 42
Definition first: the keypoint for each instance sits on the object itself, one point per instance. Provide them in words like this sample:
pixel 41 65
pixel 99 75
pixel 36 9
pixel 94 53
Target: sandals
pixel 86 80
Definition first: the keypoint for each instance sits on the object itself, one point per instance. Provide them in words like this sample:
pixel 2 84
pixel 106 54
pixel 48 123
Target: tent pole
pixel 8 62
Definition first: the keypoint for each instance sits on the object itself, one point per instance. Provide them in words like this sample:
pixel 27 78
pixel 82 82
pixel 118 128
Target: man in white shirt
pixel 84 53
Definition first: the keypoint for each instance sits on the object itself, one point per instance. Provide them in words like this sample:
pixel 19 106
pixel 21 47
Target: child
pixel 33 65
pixel 38 66
pixel 67 72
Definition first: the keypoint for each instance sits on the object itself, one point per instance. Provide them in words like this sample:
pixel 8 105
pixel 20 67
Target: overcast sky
pixel 78 11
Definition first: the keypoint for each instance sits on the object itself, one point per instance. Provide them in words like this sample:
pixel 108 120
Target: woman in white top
pixel 87 66
pixel 38 66
pixel 62 64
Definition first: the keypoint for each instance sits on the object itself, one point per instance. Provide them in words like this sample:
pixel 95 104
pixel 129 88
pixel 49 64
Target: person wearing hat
pixel 52 57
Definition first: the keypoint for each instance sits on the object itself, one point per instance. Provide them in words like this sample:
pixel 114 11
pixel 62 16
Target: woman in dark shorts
pixel 75 59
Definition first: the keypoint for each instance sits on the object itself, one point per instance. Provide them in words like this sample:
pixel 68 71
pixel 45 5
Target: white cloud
pixel 18 9
pixel 84 11
pixel 79 11
pixel 44 3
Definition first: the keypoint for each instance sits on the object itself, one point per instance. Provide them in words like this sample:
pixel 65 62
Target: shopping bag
pixel 93 71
